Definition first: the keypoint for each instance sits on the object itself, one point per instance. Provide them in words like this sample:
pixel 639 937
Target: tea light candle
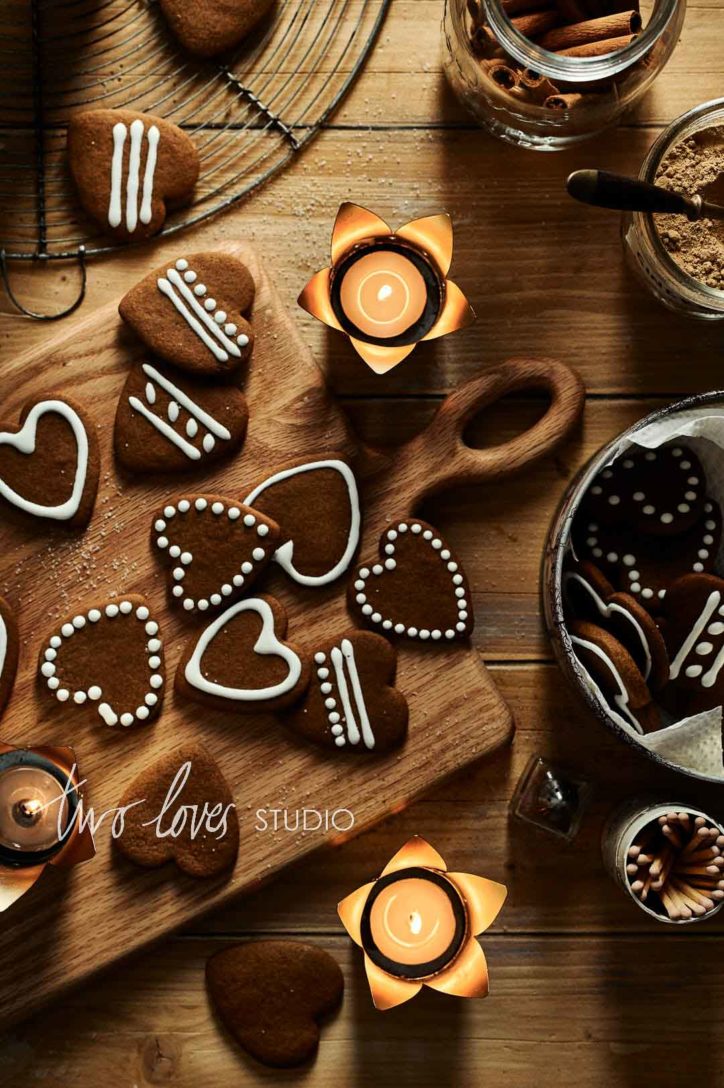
pixel 386 292
pixel 36 807
pixel 414 923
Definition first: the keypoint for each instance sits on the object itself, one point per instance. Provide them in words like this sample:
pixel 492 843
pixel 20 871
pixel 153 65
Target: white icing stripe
pixel 693 637
pixel 147 202
pixel 621 698
pixel 134 165
pixel 266 644
pixel 24 442
pixel 606 610
pixel 353 733
pixel 709 678
pixel 198 318
pixel 191 406
pixel 3 643
pixel 365 726
pixel 163 427
pixel 284 555
pixel 114 205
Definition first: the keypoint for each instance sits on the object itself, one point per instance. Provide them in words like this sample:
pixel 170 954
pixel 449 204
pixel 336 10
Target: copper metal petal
pixel 456 313
pixel 484 899
pixel 14 883
pixel 350 911
pixel 381 359
pixel 434 234
pixel 316 301
pixel 467 976
pixel 81 847
pixel 352 225
pixel 416 851
pixel 388 991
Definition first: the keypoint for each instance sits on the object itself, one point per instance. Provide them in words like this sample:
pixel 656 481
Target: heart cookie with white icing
pixel 352 704
pixel 129 167
pixel 49 464
pixel 171 423
pixel 417 589
pixel 616 675
pixel 693 627
pixel 215 548
pixel 316 504
pixel 192 312
pixel 108 659
pixel 207 29
pixel 241 661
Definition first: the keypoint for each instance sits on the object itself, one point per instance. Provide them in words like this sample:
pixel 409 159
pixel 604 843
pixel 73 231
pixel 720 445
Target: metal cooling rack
pixel 248 116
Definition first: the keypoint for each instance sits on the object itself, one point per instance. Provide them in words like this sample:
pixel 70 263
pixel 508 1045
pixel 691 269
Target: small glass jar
pixel 645 252
pixel 592 92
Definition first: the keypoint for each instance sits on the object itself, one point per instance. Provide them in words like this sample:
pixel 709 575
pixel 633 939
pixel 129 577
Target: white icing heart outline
pixel 24 441
pixel 94 693
pixel 267 643
pixel 284 554
pixel 218 507
pixel 464 604
pixel 607 609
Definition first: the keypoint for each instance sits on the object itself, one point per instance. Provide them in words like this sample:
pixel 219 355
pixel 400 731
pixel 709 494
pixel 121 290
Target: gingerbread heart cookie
pixel 207 29
pixel 693 626
pixel 418 589
pixel 351 703
pixel 9 651
pixel 129 167
pixel 659 491
pixel 645 566
pixel 186 815
pixel 316 504
pixel 616 675
pixel 241 661
pixel 49 464
pixel 110 658
pixel 169 424
pixel 591 597
pixel 271 996
pixel 190 313
pixel 215 548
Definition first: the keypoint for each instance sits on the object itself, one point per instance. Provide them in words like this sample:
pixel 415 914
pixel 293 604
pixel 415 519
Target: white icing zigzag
pixel 354 718
pixel 209 324
pixel 197 416
pixel 153 136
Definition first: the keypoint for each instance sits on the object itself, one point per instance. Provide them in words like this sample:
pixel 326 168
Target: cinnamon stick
pixel 599 48
pixel 522 7
pixel 502 74
pixel 563 101
pixel 536 25
pixel 592 30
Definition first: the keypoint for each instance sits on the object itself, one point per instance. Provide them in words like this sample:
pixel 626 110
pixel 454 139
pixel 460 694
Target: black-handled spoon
pixel 605 190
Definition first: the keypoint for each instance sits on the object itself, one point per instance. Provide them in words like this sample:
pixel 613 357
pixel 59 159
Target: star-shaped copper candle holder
pixel 417 925
pixel 388 290
pixel 39 817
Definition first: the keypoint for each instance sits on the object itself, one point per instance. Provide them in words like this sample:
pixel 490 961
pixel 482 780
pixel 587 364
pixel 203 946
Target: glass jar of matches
pixel 546 74
pixel 668 858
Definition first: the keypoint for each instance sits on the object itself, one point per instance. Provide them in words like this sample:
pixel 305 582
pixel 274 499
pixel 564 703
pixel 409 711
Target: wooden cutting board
pixel 71 924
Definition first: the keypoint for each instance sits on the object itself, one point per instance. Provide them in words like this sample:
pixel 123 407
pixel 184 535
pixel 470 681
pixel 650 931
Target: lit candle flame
pixel 415 922
pixel 384 293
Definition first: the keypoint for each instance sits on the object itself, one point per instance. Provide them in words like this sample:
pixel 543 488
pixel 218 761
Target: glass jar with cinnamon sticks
pixel 546 74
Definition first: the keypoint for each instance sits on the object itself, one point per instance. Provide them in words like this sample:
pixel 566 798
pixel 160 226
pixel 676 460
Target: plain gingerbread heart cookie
pixel 316 504
pixel 618 678
pixel 9 651
pixel 352 704
pixel 190 312
pixel 49 464
pixel 187 816
pixel 167 423
pixel 109 658
pixel 215 548
pixel 129 167
pixel 271 996
pixel 206 29
pixel 418 588
pixel 241 662
pixel 693 626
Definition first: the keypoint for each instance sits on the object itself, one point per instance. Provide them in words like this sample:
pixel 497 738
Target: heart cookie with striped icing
pixel 166 422
pixel 192 312
pixel 352 704
pixel 417 589
pixel 109 659
pixel 693 627
pixel 129 167
pixel 215 548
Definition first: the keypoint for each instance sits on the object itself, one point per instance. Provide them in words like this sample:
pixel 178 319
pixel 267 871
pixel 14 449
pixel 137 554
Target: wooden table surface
pixel 585 991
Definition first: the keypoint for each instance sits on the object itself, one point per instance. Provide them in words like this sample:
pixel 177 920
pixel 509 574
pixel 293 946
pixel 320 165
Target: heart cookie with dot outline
pixel 109 658
pixel 193 313
pixel 417 590
pixel 216 548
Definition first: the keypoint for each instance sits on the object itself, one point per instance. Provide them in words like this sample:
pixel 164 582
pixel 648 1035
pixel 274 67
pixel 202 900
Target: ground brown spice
pixel 695 166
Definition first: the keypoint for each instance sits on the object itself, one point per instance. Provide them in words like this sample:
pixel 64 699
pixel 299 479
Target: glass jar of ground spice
pixel 546 74
pixel 682 262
